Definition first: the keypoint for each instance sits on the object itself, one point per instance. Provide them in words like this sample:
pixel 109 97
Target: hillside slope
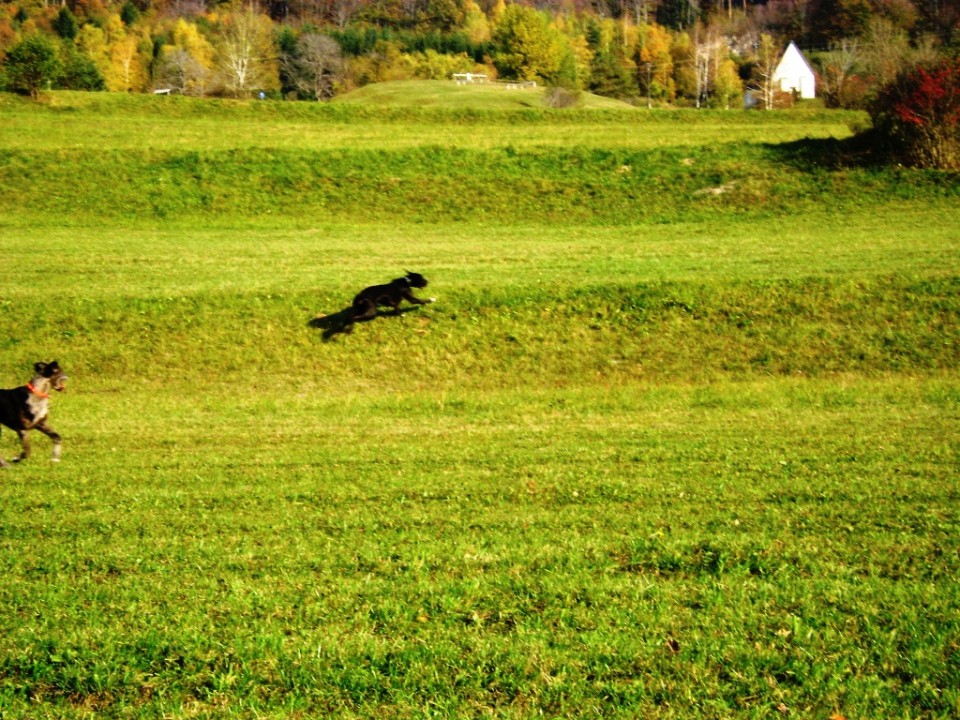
pixel 475 96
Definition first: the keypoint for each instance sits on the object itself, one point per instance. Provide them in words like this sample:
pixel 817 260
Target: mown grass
pixel 749 550
pixel 72 121
pixel 673 455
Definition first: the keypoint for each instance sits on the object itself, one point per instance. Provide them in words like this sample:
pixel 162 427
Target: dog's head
pixel 416 280
pixel 54 373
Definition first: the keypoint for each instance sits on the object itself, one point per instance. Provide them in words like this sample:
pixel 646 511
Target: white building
pixel 794 74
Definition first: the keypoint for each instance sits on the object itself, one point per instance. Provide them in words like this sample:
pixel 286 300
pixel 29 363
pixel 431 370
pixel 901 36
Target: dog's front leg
pixel 413 299
pixel 54 436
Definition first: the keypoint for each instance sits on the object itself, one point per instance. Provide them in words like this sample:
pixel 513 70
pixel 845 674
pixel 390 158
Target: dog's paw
pixel 430 300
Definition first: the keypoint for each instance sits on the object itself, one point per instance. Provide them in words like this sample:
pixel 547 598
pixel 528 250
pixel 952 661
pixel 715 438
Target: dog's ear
pixel 39 367
pixel 53 367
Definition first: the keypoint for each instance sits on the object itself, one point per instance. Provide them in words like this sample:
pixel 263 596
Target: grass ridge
pixel 657 332
pixel 577 184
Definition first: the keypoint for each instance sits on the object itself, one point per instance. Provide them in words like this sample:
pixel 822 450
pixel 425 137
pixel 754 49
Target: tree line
pixel 681 52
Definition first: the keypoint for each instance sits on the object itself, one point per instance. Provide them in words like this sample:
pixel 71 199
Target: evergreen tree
pixel 609 76
pixel 129 14
pixel 65 24
pixel 79 71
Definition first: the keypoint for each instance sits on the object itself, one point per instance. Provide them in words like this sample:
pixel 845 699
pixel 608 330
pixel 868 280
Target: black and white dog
pixel 26 407
pixel 367 301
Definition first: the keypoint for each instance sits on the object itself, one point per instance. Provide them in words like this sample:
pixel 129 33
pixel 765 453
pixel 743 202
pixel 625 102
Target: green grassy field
pixel 679 437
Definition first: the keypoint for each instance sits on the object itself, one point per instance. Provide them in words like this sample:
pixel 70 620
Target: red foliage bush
pixel 918 115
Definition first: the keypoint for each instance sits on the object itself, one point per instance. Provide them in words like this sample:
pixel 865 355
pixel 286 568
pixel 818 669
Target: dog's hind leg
pixel 364 310
pixel 24 446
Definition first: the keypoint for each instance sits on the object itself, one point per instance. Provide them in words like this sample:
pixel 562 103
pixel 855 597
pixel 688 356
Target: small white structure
pixel 469 78
pixel 794 74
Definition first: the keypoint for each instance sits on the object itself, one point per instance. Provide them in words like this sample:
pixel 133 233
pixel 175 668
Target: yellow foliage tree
pixel 127 70
pixel 187 36
pixel 582 57
pixel 93 43
pixel 475 23
pixel 684 70
pixel 121 57
pixel 727 86
pixel 655 62
pixel 188 62
pixel 246 57
pixel 113 29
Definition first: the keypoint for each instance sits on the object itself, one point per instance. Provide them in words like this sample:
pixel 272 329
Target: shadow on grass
pixel 342 321
pixel 863 150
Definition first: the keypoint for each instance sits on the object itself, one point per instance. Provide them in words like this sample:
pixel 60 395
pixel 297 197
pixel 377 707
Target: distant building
pixel 794 74
pixel 469 78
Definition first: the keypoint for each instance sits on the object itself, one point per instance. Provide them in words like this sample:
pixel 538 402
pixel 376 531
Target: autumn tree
pixel 654 63
pixel 121 56
pixel 127 70
pixel 581 56
pixel 475 23
pixel 186 65
pixel 92 42
pixel 727 86
pixel 439 15
pixel 704 46
pixel 526 47
pixel 717 78
pixel 682 55
pixel 315 67
pixel 836 68
pixel 245 53
pixel 768 57
pixel 886 51
pixel 643 11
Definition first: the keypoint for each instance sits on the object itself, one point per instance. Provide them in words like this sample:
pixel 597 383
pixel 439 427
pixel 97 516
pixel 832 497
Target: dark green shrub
pixel 32 64
pixel 561 97
pixel 79 71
